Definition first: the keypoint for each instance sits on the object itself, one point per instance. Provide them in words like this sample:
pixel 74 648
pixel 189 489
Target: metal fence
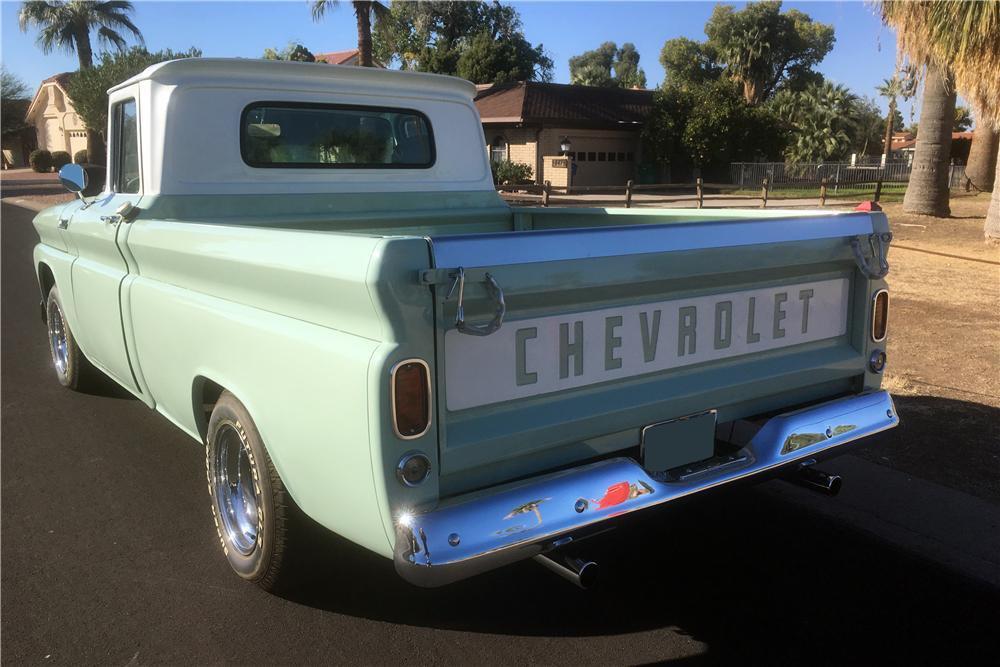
pixel 752 174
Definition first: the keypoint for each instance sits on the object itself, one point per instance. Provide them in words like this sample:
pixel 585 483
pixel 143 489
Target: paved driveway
pixel 110 557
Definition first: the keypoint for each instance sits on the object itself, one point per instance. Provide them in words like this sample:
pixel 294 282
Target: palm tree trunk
pixel 992 228
pixel 927 192
pixel 887 144
pixel 85 54
pixel 982 157
pixel 363 11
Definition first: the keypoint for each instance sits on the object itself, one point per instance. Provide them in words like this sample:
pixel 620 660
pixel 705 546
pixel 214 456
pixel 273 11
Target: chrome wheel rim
pixel 235 490
pixel 58 340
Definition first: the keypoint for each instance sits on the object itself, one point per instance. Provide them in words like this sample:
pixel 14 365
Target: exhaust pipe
pixel 580 571
pixel 817 480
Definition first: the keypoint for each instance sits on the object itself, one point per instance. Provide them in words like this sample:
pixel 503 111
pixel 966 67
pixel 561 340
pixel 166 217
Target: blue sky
pixel 864 55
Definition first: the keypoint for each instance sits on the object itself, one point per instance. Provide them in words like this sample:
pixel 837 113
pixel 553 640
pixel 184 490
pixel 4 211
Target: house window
pixel 621 157
pixel 629 156
pixel 591 157
pixel 498 149
pixel 581 157
pixel 297 135
pixel 611 157
pixel 601 157
pixel 125 141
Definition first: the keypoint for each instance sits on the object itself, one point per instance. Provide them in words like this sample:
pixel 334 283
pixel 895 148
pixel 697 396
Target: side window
pixel 125 144
pixel 498 149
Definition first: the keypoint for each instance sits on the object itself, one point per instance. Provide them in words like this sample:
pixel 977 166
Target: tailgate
pixel 609 329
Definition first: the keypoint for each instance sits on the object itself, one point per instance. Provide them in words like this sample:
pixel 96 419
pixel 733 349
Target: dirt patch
pixel 944 349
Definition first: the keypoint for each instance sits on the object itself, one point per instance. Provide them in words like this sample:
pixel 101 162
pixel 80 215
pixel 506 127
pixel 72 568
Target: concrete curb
pixel 954 529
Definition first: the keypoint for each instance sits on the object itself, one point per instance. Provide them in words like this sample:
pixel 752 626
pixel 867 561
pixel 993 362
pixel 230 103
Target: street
pixel 110 557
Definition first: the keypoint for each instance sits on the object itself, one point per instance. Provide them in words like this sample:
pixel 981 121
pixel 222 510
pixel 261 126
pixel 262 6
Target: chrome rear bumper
pixel 486 530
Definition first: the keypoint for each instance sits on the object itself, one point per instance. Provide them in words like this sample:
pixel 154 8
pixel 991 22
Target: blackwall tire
pixel 253 513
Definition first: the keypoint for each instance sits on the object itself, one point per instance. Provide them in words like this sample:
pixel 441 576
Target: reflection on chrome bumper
pixel 485 531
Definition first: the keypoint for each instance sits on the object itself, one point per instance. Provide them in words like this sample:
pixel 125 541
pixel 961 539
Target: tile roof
pixel 336 57
pixel 528 101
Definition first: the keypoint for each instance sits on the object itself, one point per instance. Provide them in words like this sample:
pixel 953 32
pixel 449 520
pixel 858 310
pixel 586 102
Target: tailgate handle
pixel 496 294
pixel 879 244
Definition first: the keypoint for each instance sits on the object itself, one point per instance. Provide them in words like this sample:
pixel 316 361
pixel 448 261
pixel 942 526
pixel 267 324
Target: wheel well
pixel 45 279
pixel 205 394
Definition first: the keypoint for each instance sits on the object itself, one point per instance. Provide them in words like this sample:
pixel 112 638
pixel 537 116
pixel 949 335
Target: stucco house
pixel 51 113
pixel 528 120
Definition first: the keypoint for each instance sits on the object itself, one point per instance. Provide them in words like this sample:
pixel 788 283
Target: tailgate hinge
pixel 879 245
pixel 455 279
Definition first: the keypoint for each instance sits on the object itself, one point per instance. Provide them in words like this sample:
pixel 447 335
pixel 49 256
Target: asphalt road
pixel 109 556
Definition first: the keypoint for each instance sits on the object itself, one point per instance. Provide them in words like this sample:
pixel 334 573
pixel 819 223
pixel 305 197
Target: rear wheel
pixel 252 510
pixel 72 368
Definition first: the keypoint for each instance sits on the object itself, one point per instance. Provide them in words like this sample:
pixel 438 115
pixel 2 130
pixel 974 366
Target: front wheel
pixel 72 368
pixel 252 510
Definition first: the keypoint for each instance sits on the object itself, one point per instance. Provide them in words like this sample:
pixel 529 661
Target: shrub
pixel 40 160
pixel 511 173
pixel 59 160
pixel 80 157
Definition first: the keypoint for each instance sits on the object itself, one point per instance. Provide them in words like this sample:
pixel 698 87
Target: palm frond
pixel 320 8
pixel 962 35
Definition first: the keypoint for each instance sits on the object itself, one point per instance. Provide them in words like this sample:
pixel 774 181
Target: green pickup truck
pixel 307 269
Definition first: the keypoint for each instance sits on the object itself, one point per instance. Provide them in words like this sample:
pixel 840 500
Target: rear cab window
pixel 329 136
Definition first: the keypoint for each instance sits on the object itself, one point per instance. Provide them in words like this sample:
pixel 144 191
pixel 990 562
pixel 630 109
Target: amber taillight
pixel 880 315
pixel 411 398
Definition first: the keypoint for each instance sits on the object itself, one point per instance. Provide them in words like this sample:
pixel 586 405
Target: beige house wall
pixel 57 125
pixel 527 145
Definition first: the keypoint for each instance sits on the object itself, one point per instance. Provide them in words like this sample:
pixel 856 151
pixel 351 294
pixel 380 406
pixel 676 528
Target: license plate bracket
pixel 677 442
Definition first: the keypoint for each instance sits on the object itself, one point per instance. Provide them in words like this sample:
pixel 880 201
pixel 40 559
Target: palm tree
pixel 67 26
pixel 900 85
pixel 983 157
pixel 927 192
pixel 962 35
pixel 367 13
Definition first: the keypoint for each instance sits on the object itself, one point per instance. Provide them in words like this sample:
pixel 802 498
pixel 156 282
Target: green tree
pixel 435 36
pixel 367 13
pixel 963 119
pixel 68 26
pixel 707 127
pixel 88 87
pixel 12 89
pixel 293 51
pixel 608 66
pixel 689 63
pixel 764 49
pixel 866 139
pixel 821 121
pixel 487 60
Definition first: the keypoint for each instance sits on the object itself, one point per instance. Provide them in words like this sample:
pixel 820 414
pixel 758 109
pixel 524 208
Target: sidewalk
pixel 29 189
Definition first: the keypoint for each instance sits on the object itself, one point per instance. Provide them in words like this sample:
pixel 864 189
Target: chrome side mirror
pixel 86 180
pixel 74 178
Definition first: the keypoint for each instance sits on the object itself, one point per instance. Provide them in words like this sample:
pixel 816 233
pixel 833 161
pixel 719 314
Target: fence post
pixel 698 192
pixel 546 188
pixel 836 187
pixel 628 194
pixel 878 189
pixel 822 192
pixel 763 193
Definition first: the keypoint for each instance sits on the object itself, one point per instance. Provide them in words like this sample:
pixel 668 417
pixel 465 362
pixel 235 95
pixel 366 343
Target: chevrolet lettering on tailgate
pixel 539 356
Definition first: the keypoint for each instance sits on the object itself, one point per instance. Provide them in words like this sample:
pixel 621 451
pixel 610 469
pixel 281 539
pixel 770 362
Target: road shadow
pixel 749 575
pixel 951 442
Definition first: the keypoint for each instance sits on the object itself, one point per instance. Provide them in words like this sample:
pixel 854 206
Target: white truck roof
pixel 189 113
